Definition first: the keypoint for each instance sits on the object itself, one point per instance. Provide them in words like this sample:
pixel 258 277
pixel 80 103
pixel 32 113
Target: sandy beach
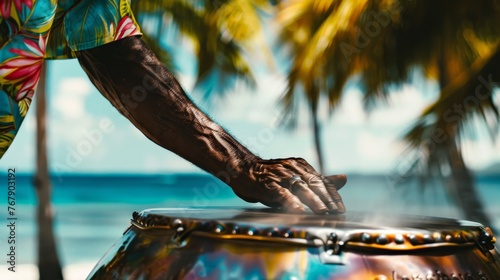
pixel 76 271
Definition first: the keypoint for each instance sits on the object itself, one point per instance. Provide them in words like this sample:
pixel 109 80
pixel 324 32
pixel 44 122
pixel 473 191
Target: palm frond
pixel 222 32
pixel 453 117
pixel 382 41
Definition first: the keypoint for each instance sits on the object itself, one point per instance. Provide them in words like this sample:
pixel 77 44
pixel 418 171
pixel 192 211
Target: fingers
pixel 282 197
pixel 337 199
pixel 304 192
pixel 333 184
pixel 338 181
pixel 290 183
pixel 325 188
pixel 316 185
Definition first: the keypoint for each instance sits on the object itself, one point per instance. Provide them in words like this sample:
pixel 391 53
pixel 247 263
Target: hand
pixel 289 183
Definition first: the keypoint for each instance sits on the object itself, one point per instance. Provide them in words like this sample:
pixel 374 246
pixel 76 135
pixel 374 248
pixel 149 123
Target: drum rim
pixel 464 234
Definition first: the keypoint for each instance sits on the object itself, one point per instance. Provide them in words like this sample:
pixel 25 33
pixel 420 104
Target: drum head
pixel 261 243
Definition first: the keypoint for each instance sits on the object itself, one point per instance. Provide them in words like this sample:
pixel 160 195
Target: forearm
pixel 128 74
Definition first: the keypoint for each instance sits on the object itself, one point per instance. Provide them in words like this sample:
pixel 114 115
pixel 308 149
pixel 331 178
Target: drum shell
pixel 156 253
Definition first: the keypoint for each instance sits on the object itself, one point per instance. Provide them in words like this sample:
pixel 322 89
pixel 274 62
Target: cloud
pixel 258 107
pixel 404 106
pixel 351 110
pixel 70 96
pixel 480 153
pixel 377 150
pixel 68 116
pixel 371 146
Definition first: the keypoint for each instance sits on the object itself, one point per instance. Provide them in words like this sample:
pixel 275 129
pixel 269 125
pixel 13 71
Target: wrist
pixel 237 171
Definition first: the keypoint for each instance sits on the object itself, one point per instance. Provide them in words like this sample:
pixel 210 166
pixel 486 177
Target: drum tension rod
pixel 331 251
pixel 486 238
pixel 486 241
pixel 332 246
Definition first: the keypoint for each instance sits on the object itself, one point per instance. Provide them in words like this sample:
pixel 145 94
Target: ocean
pixel 92 211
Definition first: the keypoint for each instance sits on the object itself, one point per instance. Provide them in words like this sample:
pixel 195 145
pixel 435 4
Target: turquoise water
pixel 92 211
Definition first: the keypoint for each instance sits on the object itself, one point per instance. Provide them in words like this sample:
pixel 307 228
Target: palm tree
pixel 446 153
pixel 49 266
pixel 221 32
pixel 304 24
pixel 382 43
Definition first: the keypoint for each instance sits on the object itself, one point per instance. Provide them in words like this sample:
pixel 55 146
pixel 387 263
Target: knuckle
pixel 300 160
pixel 316 180
pixel 282 192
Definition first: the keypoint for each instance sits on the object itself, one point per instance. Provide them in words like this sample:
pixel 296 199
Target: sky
pixel 87 135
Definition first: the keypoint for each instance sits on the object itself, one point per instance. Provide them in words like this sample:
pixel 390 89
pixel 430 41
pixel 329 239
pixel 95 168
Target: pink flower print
pixel 25 68
pixel 5 6
pixel 126 27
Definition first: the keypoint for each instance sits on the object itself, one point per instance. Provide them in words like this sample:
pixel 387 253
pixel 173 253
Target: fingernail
pixel 323 211
pixel 341 207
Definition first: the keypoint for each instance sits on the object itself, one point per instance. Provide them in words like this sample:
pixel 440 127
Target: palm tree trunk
pixel 49 266
pixel 317 136
pixel 461 182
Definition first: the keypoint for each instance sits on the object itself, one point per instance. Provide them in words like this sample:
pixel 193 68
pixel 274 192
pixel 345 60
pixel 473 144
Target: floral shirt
pixel 31 30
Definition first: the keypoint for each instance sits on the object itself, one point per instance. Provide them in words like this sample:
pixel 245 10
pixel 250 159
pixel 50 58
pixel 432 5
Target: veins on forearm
pixel 128 74
pixel 184 127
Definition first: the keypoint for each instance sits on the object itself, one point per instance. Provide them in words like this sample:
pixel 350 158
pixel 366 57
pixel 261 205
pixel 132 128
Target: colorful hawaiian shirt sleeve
pixel 31 30
pixel 85 24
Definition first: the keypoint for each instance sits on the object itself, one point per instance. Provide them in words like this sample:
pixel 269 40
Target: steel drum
pixel 265 244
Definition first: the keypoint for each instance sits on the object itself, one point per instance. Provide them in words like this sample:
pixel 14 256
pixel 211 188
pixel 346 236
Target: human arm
pixel 130 76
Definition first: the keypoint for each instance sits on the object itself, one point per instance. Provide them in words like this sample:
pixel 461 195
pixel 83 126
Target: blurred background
pixel 402 96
